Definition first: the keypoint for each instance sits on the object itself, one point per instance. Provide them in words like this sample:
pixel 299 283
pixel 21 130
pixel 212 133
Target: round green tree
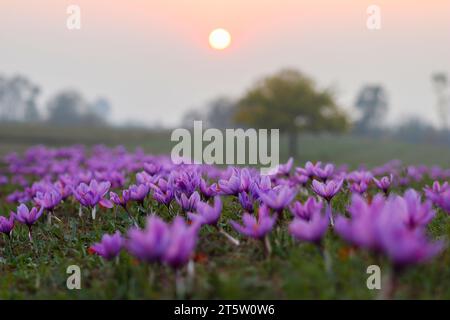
pixel 291 102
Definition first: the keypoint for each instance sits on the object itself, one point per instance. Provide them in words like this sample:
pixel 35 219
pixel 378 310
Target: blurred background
pixel 337 90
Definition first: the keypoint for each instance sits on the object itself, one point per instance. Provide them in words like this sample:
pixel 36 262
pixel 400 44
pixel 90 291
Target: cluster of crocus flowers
pixel 439 194
pixel 394 226
pixel 160 242
pixel 386 224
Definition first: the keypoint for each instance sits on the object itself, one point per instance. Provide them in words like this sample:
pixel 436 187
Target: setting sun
pixel 219 39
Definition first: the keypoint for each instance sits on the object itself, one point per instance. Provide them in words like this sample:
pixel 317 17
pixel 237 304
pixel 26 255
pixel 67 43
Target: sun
pixel 219 39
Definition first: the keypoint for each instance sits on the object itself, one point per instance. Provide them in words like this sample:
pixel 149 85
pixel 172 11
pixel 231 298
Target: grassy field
pixel 338 149
pixel 294 271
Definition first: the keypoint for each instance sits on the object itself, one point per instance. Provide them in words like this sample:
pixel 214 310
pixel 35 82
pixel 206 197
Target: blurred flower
pixel 182 242
pixel 149 244
pixel 384 183
pixel 278 198
pixel 6 225
pixel 306 211
pixel 207 214
pixel 139 193
pixel 109 247
pixel 254 227
pixel 48 199
pixel 311 230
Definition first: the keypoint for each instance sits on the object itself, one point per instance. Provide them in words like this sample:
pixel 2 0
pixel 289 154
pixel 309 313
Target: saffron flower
pixel 139 193
pixel 328 189
pixel 278 198
pixel 246 202
pixel 91 195
pixel 384 183
pixel 232 186
pixel 253 227
pixel 188 204
pixel 413 212
pixel 325 173
pixel 109 247
pixel 7 224
pixel 311 230
pixel 28 217
pixel 207 214
pixel 120 200
pixel 149 245
pixel 182 242
pixel 257 228
pixel 359 187
pixel 48 200
pixel 306 211
pixel 123 202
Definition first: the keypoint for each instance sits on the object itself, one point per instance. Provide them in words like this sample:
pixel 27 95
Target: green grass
pixel 295 270
pixel 339 149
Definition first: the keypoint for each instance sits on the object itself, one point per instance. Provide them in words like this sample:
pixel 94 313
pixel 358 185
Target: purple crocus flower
pixel 405 246
pixel 7 225
pixel 182 242
pixel 328 189
pixel 358 187
pixel 436 190
pixel 149 244
pixel 362 230
pixel 138 193
pixel 360 176
pixel 381 226
pixel 306 211
pixel 207 214
pixel 93 194
pixel 28 217
pixel 232 186
pixel 188 204
pixel 325 173
pixel 310 168
pixel 207 191
pixel 109 247
pixel 254 227
pixel 278 198
pixel 311 230
pixel 120 200
pixel 411 209
pixel 246 202
pixel 384 183
pixel 48 199
pixel 284 169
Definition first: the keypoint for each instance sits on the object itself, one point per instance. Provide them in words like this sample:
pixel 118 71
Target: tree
pixel 18 99
pixel 440 84
pixel 70 108
pixel 372 101
pixel 291 102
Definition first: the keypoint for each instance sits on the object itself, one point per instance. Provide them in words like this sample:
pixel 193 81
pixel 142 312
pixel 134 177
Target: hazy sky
pixel 152 60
